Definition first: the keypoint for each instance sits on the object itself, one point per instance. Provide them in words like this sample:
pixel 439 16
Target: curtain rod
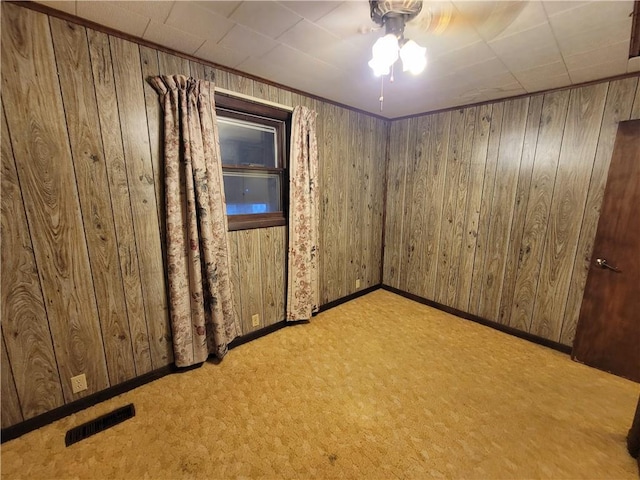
pixel 253 99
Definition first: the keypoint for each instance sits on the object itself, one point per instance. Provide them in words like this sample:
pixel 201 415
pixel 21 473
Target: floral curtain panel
pixel 201 303
pixel 302 292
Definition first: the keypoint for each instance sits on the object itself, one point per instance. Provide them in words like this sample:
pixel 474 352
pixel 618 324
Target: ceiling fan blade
pixel 490 18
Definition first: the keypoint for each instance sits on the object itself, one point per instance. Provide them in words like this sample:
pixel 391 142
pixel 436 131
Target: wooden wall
pixel 83 278
pixel 493 209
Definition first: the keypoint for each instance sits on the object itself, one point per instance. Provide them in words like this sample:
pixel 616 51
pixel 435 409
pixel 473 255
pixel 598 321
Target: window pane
pixel 246 143
pixel 252 192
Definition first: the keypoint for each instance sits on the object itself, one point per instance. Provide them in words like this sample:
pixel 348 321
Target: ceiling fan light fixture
pixel 414 57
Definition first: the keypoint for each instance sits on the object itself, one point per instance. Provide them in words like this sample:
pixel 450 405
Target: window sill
pixel 247 222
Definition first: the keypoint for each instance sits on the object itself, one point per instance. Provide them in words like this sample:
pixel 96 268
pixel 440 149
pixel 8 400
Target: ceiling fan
pixel 488 18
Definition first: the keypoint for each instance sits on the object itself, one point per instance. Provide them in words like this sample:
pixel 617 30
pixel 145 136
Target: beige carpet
pixel 380 387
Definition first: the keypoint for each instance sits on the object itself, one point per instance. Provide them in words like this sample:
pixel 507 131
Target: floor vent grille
pixel 99 424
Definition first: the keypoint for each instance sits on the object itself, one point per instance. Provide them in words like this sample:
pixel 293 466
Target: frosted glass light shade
pixel 385 50
pixel 414 57
pixel 379 68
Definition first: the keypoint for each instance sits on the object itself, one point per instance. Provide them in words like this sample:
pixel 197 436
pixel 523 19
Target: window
pixel 253 145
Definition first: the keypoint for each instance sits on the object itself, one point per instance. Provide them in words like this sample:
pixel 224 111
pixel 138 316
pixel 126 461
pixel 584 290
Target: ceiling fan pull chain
pixel 381 99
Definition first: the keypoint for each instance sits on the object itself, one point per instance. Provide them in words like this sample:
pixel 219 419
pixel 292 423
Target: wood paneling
pixel 135 139
pixel 83 126
pixel 35 117
pixel 272 267
pixel 537 170
pixel 474 198
pixel 250 269
pixel 617 108
pixel 579 144
pixel 482 242
pixel 520 208
pixel 24 319
pixel 554 112
pixel 502 206
pixel 87 287
pixel 11 413
pixel 105 92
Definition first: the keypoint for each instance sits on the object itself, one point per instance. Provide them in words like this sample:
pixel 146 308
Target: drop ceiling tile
pixel 489 19
pixel 269 18
pixel 295 61
pixel 527 59
pixel 537 74
pixel 223 8
pixel 220 54
pixel 593 39
pixel 346 20
pixel 590 16
pixel 603 54
pixel 633 65
pixel 532 15
pixel 158 11
pixel 247 41
pixel 111 14
pixel 307 37
pixel 600 71
pixel 62 5
pixel 172 38
pixel 531 84
pixel 199 21
pixel 537 37
pixel 463 57
pixel 311 10
pixel 555 7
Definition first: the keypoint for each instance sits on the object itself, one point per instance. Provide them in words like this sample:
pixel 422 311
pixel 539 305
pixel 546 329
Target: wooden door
pixel 608 331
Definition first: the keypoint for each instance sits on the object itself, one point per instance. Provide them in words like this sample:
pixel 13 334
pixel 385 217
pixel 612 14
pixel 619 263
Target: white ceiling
pixel 490 50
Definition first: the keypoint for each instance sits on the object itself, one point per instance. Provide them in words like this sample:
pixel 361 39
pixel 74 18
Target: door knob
pixel 602 263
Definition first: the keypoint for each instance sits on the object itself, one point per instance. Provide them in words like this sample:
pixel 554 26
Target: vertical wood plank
pixel 196 70
pixel 31 93
pixel 635 111
pixel 135 139
pixel 520 208
pixel 328 205
pixel 474 199
pixel 110 130
pixel 24 319
pixel 250 278
pixel 554 112
pixel 438 151
pixel 234 265
pixel 79 99
pixel 617 109
pixel 155 122
pixel 240 84
pixel 353 161
pixel 11 413
pixel 447 222
pixel 284 97
pixel 279 267
pixel 488 186
pixel 342 195
pixel 509 157
pixel 407 252
pixel 379 154
pixel 584 117
pixel 366 129
pixel 460 206
pixel 395 201
pixel 172 64
pixel 272 273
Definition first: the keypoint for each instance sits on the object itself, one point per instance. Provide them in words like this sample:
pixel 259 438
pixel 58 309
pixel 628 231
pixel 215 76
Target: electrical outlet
pixel 255 320
pixel 79 383
pixel 357 283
